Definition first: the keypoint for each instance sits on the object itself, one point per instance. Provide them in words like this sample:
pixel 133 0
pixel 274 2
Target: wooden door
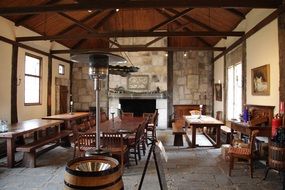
pixel 63 101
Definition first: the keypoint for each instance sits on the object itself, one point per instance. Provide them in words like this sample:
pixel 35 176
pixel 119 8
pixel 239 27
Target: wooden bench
pixel 29 149
pixel 178 131
pixel 225 134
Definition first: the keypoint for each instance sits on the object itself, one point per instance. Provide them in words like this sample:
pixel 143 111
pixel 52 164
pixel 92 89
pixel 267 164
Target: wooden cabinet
pixel 180 110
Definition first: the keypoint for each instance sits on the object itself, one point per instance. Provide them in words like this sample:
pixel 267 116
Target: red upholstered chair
pixel 243 153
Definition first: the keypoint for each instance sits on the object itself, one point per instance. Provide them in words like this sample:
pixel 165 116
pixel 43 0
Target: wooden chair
pixel 150 129
pixel 243 153
pixel 195 112
pixel 103 116
pixel 127 115
pixel 114 143
pixel 84 142
pixel 136 142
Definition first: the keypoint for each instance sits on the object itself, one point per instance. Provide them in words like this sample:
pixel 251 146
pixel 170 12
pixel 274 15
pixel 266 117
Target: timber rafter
pixel 122 4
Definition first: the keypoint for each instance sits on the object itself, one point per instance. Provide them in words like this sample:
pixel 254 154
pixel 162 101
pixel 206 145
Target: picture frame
pixel 138 82
pixel 219 91
pixel 260 80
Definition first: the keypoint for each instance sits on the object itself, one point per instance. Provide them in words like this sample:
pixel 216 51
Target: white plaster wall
pixel 5 81
pixel 262 48
pixel 8 30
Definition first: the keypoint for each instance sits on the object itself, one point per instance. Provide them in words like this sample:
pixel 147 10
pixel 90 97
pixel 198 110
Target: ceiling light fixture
pixel 117 10
pixel 185 54
pixel 90 11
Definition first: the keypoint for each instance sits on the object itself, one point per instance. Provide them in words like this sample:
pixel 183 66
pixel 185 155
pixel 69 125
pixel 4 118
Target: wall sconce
pixel 19 80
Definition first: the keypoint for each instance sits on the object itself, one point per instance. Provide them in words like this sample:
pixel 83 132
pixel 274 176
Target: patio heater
pixel 100 65
pixel 98 70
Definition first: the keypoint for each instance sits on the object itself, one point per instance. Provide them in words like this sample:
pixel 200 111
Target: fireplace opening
pixel 138 106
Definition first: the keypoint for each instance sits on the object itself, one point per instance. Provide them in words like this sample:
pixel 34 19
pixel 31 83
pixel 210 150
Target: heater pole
pixel 97 90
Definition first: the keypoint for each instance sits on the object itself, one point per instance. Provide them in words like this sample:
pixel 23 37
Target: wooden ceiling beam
pixel 183 27
pixel 130 34
pixel 97 25
pixel 77 22
pixel 135 49
pixel 83 26
pixel 170 20
pixel 123 4
pixel 27 17
pixel 85 19
pixel 189 18
pixel 236 13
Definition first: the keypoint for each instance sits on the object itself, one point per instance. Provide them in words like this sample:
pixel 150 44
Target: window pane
pixel 32 65
pixel 32 89
pixel 230 99
pixel 238 91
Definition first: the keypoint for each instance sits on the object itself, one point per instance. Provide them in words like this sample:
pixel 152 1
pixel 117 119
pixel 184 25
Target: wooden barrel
pixel 277 156
pixel 96 172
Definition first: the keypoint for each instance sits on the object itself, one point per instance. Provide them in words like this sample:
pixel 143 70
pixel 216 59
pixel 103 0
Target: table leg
pixel 10 152
pixel 178 140
pixel 193 136
pixel 218 137
pixel 231 136
pixel 65 142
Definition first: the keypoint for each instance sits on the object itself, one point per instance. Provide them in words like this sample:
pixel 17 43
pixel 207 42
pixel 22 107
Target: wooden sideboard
pixel 183 109
pixel 261 119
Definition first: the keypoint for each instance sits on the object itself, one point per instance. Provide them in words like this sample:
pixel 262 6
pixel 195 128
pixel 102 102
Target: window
pixel 32 79
pixel 61 69
pixel 234 93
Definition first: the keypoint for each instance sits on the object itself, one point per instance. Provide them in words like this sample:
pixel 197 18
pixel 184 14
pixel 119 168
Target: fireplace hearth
pixel 138 106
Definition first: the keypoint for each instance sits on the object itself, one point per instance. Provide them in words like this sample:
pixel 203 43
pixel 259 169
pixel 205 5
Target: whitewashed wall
pixel 8 30
pixel 262 48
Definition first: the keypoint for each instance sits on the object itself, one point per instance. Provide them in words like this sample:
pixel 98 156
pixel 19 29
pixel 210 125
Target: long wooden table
pixel 68 117
pixel 124 125
pixel 21 128
pixel 204 121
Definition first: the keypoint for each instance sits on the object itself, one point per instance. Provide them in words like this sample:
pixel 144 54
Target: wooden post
pixel 49 84
pixel 169 87
pixel 14 112
pixel 281 39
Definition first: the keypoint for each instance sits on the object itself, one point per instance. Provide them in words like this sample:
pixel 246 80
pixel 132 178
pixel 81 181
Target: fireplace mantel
pixel 137 95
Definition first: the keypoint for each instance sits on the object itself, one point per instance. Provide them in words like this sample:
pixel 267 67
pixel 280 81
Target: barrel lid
pixel 92 166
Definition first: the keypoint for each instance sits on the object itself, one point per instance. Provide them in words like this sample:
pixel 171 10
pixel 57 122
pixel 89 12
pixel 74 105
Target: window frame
pixel 63 69
pixel 36 76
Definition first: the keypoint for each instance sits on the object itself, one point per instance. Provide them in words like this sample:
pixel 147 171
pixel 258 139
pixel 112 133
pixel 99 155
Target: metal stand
pixel 151 150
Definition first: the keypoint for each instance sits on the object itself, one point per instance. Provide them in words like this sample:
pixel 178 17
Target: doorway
pixel 63 99
pixel 234 92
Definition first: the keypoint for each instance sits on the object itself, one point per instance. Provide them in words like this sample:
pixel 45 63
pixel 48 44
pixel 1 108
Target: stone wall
pixel 83 93
pixel 193 78
pixel 152 64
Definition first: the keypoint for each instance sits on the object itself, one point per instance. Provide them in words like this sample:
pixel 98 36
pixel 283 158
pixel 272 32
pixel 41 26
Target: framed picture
pixel 138 82
pixel 219 91
pixel 260 80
